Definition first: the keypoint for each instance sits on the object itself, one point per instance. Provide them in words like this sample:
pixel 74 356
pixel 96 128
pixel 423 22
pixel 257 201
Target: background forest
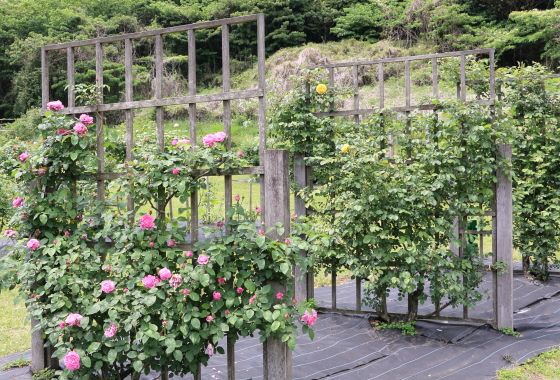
pixel 521 30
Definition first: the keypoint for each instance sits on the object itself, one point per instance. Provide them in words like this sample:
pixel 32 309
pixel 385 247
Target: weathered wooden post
pixel 277 357
pixel 503 247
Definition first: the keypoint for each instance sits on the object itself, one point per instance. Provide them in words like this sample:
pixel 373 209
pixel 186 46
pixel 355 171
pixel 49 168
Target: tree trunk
pixel 413 303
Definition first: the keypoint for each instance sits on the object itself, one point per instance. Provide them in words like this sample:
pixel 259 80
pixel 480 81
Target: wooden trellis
pixel 501 210
pixel 273 169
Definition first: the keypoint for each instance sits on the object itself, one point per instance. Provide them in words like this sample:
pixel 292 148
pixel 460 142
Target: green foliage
pixel 44 374
pixel 510 331
pixel 18 363
pixel 406 328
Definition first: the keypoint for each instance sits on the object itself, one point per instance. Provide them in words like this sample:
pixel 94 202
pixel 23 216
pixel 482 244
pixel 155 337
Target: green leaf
pixel 43 218
pixel 195 323
pixel 275 325
pixel 178 355
pixel 94 346
pixel 285 268
pixel 137 365
pixel 86 361
pixel 74 155
pixel 112 355
pixel 75 139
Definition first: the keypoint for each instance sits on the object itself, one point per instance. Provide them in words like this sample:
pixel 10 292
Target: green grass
pixel 543 367
pixel 15 336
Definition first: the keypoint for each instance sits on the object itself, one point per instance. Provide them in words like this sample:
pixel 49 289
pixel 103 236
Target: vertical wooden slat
pixel 160 133
pixel 277 357
pixel 192 127
pixel 129 114
pixel 463 78
pixel 356 93
pixel 333 289
pixel 228 181
pixel 261 76
pixel 381 80
pixel 462 250
pixel 503 297
pixel 310 273
pixel 300 177
pixel 37 349
pixel 407 81
pixel 70 71
pixel 99 121
pixel 358 294
pixel 44 78
pixel 492 77
pixel 434 79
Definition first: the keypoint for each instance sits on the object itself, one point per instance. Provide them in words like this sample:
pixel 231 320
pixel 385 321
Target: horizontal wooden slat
pixel 163 102
pixel 487 213
pixel 151 33
pixel 369 111
pixel 198 173
pixel 402 59
pixel 475 232
pixel 441 317
pixel 499 80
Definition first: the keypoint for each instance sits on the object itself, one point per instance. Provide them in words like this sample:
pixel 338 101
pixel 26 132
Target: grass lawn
pixel 543 367
pixel 14 334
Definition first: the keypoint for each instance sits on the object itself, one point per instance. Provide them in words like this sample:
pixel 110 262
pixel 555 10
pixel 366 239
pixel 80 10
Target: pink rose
pixel 17 202
pixel 41 172
pixel 308 318
pixel 209 140
pixel 227 312
pixel 216 295
pixel 125 290
pixel 66 233
pixel 62 325
pixel 219 136
pixel 73 319
pixel 280 296
pixel 10 233
pixel 221 280
pixel 239 290
pixel 293 216
pixel 151 244
pixel 202 260
pixel 184 141
pixel 237 197
pixel 240 154
pixel 258 209
pixel 108 286
pixel 287 316
pixel 209 318
pixel 171 243
pixel 72 360
pixel 147 222
pixel 80 128
pixel 23 156
pixel 287 241
pixel 209 350
pixel 150 281
pixel 189 254
pixel 111 332
pixel 186 291
pixel 260 232
pixel 174 142
pixel 164 273
pixel 175 171
pixel 33 244
pixel 108 267
pixel 55 106
pixel 175 280
pixel 219 223
pixel 86 119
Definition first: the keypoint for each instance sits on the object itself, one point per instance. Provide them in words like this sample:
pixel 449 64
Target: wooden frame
pixel 273 171
pixel 501 212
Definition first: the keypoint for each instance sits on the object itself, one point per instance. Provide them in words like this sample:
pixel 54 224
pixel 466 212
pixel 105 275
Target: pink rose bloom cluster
pixel 86 119
pixel 108 286
pixel 17 202
pixel 23 156
pixel 80 128
pixel 202 260
pixel 73 319
pixel 33 244
pixel 212 139
pixel 175 280
pixel 150 281
pixel 164 273
pixel 72 361
pixel 308 318
pixel 175 171
pixel 147 222
pixel 10 233
pixel 111 332
pixel 55 106
pixel 216 295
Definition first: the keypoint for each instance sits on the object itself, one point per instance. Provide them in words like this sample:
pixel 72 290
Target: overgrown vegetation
pixel 543 366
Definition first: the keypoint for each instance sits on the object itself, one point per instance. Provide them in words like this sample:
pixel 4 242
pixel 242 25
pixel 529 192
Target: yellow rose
pixel 321 89
pixel 345 148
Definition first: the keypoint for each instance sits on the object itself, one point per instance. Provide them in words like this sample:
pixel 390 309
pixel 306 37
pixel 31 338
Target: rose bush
pixel 110 292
